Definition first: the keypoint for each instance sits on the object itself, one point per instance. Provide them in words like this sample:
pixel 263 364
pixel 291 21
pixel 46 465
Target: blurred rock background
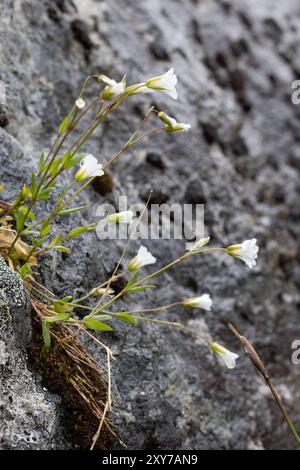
pixel 235 63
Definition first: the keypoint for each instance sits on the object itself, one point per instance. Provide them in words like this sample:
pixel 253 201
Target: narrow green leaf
pixel 132 280
pixel 126 318
pixel 60 307
pixel 66 158
pixel 102 318
pixel 137 289
pixel 75 160
pixel 29 214
pixel 67 298
pixel 46 334
pixel 71 211
pixel 54 166
pixel 24 270
pixel 63 125
pixel 64 316
pixel 33 186
pixel 20 220
pixel 41 162
pixel 96 325
pixel 40 241
pixel 45 229
pixel 62 249
pixel 79 230
pixel 56 240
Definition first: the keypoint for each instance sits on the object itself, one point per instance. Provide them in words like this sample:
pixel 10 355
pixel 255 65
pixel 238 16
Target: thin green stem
pixel 177 260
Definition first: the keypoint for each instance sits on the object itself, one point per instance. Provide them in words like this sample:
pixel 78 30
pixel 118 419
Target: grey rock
pixel 29 414
pixel 235 63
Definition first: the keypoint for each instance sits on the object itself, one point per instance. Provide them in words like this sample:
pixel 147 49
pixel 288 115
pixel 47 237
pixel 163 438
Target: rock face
pixel 235 63
pixel 29 414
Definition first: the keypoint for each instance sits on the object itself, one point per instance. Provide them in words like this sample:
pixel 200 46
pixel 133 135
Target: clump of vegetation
pixel 24 237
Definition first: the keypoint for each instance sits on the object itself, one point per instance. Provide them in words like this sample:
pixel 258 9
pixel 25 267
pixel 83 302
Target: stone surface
pixel 235 63
pixel 29 414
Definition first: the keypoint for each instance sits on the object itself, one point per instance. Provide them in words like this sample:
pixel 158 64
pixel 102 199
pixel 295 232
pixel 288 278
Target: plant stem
pixel 259 365
pixel 177 260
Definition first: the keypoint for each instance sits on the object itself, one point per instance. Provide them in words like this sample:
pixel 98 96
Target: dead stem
pixel 259 365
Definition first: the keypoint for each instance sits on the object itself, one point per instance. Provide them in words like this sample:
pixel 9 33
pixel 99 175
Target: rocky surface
pixel 235 63
pixel 30 416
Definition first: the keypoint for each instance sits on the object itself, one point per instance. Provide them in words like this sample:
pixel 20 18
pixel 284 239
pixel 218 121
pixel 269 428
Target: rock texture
pixel 29 414
pixel 235 63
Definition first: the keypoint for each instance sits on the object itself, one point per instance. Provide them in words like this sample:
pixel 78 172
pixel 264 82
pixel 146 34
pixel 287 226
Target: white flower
pixel 171 125
pixel 139 88
pixel 166 83
pixel 89 167
pixel 199 244
pixel 204 301
pixel 124 217
pixel 246 251
pixel 228 357
pixel 80 103
pixel 113 88
pixel 143 258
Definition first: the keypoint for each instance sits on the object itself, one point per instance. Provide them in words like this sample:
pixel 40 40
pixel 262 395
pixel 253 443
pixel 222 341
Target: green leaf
pixel 63 125
pixel 137 289
pixel 62 249
pixel 54 166
pixel 103 318
pixel 132 279
pixel 96 325
pixel 74 160
pixel 43 194
pixel 20 220
pixel 67 298
pixel 56 239
pixel 46 334
pixel 126 318
pixel 41 162
pixel 29 214
pixel 24 270
pixel 40 241
pixel 60 307
pixel 64 316
pixel 66 158
pixel 33 185
pixel 27 231
pixel 71 211
pixel 45 229
pixel 79 230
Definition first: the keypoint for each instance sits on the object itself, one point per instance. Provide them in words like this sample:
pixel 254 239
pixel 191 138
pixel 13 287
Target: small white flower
pixel 124 217
pixel 228 357
pixel 171 125
pixel 142 258
pixel 204 301
pixel 139 88
pixel 166 83
pixel 246 251
pixel 80 103
pixel 199 244
pixel 113 88
pixel 89 167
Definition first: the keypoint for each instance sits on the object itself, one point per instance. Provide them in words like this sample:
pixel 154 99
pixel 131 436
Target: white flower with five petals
pixel 142 258
pixel 228 357
pixel 89 167
pixel 166 83
pixel 204 301
pixel 246 251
